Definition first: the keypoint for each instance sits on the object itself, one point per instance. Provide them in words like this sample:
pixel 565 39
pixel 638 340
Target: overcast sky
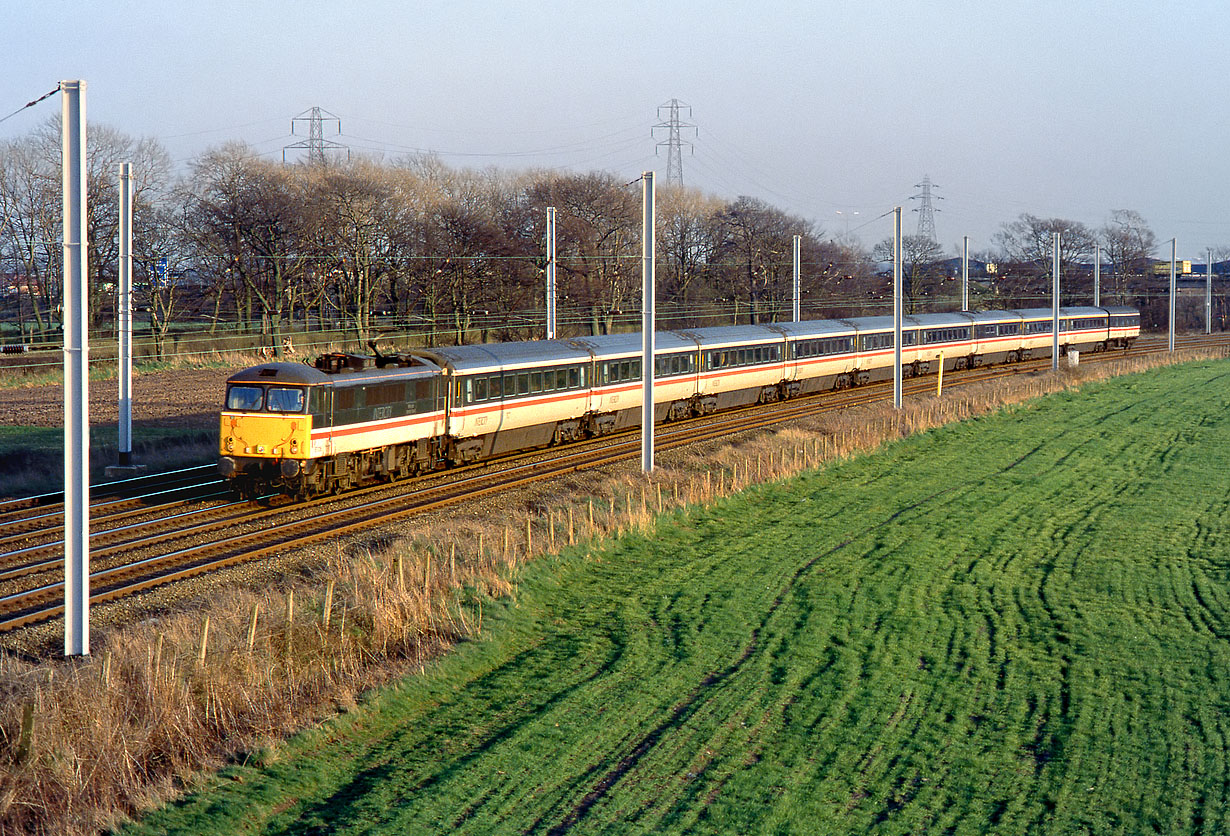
pixel 1059 108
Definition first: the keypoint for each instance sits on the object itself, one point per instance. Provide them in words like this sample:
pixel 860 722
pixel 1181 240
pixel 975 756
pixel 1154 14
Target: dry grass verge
pixel 86 743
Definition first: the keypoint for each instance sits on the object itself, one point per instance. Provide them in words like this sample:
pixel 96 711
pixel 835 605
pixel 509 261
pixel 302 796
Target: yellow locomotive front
pixel 266 427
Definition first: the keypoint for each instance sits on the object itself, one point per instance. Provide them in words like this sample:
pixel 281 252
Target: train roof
pixel 298 373
pixel 813 328
pixel 719 336
pixel 940 320
pixel 302 374
pixel 629 345
pixel 994 316
pixel 881 323
pixel 500 356
pixel 1120 310
pixel 1047 313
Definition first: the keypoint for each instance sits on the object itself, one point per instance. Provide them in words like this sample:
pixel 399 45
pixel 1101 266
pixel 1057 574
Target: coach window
pixel 535 382
pixel 480 389
pixel 523 383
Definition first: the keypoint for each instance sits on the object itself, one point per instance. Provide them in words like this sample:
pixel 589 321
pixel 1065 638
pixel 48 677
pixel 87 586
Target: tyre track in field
pixel 340 804
pixel 684 710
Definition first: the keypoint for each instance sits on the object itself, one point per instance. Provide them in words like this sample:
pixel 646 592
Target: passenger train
pixel 353 419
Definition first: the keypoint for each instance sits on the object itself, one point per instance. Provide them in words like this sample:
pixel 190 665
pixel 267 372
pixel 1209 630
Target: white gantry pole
pixel 1174 251
pixel 1054 301
pixel 550 272
pixel 1208 294
pixel 647 321
pixel 965 273
pixel 1097 275
pixel 897 307
pixel 798 243
pixel 125 312
pixel 76 391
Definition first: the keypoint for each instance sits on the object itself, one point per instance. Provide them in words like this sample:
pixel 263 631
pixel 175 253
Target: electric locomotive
pixel 347 420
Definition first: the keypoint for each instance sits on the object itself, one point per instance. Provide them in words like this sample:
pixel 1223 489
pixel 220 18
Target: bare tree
pixel 1026 246
pixel 597 242
pixel 754 252
pixel 30 233
pixel 922 276
pixel 246 218
pixel 358 233
pixel 1129 244
pixel 689 235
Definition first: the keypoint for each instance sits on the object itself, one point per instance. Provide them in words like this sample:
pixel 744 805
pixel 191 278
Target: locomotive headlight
pixel 230 444
pixel 294 445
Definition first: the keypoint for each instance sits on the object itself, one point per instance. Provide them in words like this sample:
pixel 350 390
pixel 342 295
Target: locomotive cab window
pixel 284 399
pixel 244 398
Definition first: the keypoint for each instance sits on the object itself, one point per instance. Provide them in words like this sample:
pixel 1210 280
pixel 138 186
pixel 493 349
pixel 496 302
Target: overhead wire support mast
pixel 674 142
pixel 316 144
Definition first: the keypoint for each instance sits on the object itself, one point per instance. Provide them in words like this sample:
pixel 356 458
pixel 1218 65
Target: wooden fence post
pixel 326 609
pixel 200 656
pixel 25 743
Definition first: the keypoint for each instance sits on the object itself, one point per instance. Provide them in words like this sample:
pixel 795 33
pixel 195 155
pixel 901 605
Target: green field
pixel 1014 625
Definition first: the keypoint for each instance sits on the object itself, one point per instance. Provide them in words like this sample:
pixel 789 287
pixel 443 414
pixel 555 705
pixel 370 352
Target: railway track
pixel 139 542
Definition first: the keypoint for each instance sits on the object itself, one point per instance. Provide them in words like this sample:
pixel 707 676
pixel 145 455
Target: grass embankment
pixel 1017 624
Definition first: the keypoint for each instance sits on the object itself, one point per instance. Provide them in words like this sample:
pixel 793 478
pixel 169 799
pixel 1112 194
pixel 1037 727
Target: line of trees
pixel 268 247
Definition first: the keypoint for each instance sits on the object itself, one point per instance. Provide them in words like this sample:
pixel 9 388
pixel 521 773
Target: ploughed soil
pixel 183 399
